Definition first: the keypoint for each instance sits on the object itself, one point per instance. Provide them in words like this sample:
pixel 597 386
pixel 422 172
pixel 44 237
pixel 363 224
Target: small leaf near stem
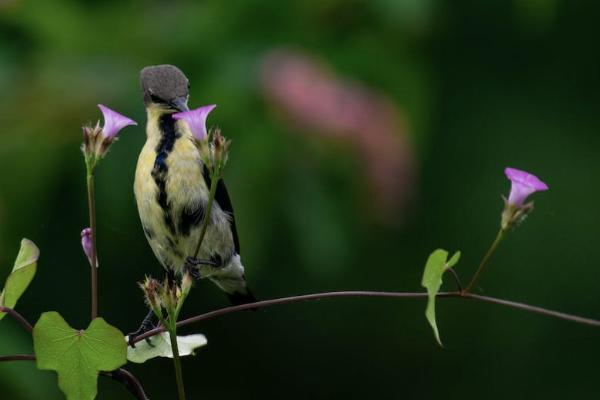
pixel 436 265
pixel 21 275
pixel 485 260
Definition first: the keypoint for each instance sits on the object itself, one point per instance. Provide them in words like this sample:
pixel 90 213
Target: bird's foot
pixel 193 265
pixel 146 326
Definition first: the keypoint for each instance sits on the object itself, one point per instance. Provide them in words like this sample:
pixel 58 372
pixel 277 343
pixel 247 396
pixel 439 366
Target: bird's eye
pixel 156 99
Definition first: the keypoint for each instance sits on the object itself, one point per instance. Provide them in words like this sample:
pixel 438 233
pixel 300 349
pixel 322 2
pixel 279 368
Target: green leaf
pixel 161 347
pixel 77 356
pixel 453 260
pixel 435 267
pixel 21 275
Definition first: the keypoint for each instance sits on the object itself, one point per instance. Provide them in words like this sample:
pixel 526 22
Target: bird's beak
pixel 180 103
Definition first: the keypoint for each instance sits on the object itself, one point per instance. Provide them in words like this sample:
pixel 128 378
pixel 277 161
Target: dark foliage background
pixel 478 86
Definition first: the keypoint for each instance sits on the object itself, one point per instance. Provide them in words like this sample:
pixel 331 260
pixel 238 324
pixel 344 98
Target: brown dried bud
pixel 151 289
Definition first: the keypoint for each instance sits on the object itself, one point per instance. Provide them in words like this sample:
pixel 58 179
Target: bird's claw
pixel 146 326
pixel 193 266
pixel 134 335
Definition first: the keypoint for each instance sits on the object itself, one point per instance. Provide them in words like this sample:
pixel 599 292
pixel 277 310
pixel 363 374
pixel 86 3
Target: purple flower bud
pixel 86 244
pixel 113 122
pixel 196 119
pixel 522 185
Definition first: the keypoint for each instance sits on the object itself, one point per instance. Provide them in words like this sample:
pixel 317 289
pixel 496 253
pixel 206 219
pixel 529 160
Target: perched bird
pixel 172 189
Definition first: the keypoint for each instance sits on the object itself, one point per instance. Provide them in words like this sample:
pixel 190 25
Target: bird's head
pixel 165 88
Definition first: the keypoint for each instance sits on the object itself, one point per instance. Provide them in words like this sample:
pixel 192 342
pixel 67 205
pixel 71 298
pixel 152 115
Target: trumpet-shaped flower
pixel 97 140
pixel 523 184
pixel 196 120
pixel 113 122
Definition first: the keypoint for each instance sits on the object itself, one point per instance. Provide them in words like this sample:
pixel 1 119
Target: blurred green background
pixel 473 87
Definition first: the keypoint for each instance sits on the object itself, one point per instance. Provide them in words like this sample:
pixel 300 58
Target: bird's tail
pixel 232 281
pixel 238 297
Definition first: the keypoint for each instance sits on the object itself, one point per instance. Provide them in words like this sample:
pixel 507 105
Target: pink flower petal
pixel 196 120
pixel 523 184
pixel 113 122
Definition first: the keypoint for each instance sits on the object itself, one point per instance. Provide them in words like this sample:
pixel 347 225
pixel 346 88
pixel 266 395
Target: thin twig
pixel 18 357
pixel 20 319
pixel 129 381
pixel 486 258
pixel 94 261
pixel 363 293
pixel 534 309
pixel 456 279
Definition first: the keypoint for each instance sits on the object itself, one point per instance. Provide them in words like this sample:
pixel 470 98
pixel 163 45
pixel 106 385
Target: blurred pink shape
pixel 317 100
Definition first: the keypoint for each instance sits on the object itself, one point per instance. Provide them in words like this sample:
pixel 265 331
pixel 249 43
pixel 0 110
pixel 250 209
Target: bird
pixel 172 188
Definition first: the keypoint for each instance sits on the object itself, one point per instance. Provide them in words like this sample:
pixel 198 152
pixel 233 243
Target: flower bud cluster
pixel 167 295
pixel 97 140
pixel 213 147
pixel 151 288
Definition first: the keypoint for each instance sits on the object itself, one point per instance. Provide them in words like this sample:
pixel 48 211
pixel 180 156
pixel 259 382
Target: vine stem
pixel 129 381
pixel 486 258
pixel 534 309
pixel 177 362
pixel 18 357
pixel 295 299
pixel 366 293
pixel 93 265
pixel 18 317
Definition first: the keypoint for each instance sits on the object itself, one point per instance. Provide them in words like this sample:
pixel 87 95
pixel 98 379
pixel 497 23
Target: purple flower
pixel 196 119
pixel 86 244
pixel 522 185
pixel 113 122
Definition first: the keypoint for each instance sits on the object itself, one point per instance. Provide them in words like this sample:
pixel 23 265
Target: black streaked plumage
pixel 159 172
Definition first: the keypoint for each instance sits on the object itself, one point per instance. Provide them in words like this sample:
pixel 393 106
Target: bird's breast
pixel 169 179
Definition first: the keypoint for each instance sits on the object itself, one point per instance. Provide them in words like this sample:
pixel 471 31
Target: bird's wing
pixel 223 200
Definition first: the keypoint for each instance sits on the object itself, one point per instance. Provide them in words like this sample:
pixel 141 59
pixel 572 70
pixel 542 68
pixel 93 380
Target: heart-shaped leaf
pixel 21 275
pixel 161 347
pixel 435 267
pixel 77 356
